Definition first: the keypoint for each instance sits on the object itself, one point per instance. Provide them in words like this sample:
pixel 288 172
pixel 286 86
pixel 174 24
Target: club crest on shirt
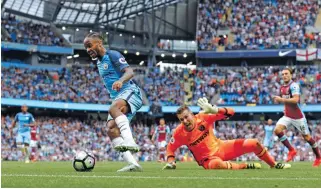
pixel 201 128
pixel 122 60
pixel 105 66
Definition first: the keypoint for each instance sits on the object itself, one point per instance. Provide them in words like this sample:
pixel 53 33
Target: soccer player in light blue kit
pixel 127 100
pixel 24 120
pixel 268 138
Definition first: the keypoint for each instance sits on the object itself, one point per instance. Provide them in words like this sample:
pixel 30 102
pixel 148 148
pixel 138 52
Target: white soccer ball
pixel 84 161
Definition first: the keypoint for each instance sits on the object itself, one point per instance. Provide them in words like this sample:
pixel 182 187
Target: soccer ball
pixel 83 161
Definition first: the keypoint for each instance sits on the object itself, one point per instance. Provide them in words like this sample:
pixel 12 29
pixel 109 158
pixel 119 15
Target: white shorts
pixel 162 144
pixel 299 124
pixel 33 143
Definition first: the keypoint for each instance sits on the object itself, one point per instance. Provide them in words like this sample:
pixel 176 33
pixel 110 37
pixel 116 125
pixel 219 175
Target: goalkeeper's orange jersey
pixel 201 141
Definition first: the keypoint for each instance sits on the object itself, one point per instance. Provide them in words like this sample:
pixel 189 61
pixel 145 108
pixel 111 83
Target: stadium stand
pixel 222 85
pixel 27 32
pixel 256 24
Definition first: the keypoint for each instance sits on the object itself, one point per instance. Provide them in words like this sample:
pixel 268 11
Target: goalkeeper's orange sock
pixel 255 146
pixel 266 157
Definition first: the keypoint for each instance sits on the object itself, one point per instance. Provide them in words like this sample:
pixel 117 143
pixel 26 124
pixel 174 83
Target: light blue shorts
pixel 268 142
pixel 134 98
pixel 23 138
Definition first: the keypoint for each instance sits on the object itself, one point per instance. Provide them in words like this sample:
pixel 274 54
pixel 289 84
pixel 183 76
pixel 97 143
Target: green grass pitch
pixel 187 175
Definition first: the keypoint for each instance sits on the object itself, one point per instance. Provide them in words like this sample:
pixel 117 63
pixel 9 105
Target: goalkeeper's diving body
pixel 196 132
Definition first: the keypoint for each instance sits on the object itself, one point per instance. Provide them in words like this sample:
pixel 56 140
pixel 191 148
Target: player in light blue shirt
pixel 268 137
pixel 24 120
pixel 127 99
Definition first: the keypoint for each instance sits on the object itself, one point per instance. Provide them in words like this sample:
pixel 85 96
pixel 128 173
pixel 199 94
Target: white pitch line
pixel 158 177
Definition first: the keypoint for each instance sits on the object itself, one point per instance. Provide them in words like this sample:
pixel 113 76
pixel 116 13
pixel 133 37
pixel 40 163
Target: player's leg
pixel 281 125
pixel 27 137
pixel 158 151
pixel 27 150
pixel 315 149
pixel 128 102
pixel 161 151
pixel 303 128
pixel 232 149
pixel 114 134
pixel 20 145
pixel 218 163
pixel 33 145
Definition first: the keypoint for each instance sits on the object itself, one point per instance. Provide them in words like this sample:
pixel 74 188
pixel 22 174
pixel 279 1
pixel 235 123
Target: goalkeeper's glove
pixel 171 165
pixel 206 107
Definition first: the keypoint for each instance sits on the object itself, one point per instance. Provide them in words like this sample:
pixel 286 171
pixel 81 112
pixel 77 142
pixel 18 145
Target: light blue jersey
pixel 24 118
pixel 268 138
pixel 110 70
pixel 23 131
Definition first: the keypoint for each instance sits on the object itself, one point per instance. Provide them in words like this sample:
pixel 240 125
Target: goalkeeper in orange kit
pixel 196 132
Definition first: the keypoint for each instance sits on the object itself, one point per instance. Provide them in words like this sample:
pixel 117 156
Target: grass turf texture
pixel 62 174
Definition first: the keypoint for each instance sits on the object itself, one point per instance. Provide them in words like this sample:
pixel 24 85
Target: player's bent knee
pixel 279 128
pixel 112 129
pixel 306 137
pixel 253 145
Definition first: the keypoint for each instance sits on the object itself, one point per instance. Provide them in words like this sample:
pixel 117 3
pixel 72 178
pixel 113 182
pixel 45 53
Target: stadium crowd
pixel 60 138
pixel 20 31
pixel 75 85
pixel 256 24
pixel 222 85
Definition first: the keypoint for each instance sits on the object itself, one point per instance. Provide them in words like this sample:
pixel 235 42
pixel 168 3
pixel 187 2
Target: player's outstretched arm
pixel 206 107
pixel 174 143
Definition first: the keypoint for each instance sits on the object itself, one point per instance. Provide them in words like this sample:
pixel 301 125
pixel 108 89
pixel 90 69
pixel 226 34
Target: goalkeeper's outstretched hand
pixel 171 165
pixel 206 107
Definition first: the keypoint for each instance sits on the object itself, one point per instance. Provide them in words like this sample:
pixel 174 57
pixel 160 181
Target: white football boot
pixel 133 147
pixel 131 168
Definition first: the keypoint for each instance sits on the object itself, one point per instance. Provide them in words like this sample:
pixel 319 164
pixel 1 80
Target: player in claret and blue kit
pixel 293 116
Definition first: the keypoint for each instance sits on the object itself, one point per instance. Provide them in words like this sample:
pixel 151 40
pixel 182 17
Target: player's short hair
pixel 182 109
pixel 94 35
pixel 289 69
